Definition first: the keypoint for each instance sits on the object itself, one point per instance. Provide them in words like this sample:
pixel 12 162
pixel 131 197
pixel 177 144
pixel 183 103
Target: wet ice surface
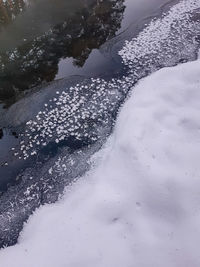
pixel 54 144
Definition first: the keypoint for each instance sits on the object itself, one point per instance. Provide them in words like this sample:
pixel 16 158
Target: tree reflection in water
pixel 9 10
pixel 75 34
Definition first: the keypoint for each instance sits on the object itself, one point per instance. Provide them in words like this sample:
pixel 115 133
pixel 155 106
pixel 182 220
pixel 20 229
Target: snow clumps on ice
pixel 140 205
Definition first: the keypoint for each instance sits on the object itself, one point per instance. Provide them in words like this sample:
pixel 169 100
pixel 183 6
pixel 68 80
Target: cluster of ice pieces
pixel 165 41
pixel 82 112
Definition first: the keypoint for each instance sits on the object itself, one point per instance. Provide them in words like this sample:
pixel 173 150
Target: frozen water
pixel 139 206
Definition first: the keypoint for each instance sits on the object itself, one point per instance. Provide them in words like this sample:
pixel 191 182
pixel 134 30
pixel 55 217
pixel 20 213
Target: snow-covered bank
pixel 140 205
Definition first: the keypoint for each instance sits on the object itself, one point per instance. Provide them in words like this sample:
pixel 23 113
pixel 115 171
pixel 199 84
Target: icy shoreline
pixel 74 114
pixel 140 205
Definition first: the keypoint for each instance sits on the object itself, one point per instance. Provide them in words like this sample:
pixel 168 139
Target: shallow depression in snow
pixel 140 205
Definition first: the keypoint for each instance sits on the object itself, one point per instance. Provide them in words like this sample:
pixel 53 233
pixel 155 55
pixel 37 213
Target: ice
pixel 166 41
pixel 139 205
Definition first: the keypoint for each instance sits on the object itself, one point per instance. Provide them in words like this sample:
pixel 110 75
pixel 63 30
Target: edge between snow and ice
pixel 140 205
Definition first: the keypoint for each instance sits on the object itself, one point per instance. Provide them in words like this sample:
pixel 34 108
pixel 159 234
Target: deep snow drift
pixel 139 206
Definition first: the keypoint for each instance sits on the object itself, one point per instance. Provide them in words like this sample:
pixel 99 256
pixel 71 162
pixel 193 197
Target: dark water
pixel 42 44
pixel 34 44
pixel 44 40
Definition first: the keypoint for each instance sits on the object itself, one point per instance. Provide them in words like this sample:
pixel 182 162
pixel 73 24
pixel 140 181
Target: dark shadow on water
pixel 1 133
pixel 55 35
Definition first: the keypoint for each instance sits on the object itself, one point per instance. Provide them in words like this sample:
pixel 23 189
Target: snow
pixel 165 41
pixel 140 203
pixel 150 40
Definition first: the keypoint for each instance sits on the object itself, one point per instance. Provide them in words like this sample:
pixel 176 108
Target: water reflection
pixel 75 34
pixel 1 133
pixel 9 10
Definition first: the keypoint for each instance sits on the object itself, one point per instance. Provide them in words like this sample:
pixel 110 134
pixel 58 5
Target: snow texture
pixel 139 206
pixel 165 41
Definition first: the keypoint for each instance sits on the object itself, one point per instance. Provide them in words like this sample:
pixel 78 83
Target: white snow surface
pixel 140 204
pixel 161 33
